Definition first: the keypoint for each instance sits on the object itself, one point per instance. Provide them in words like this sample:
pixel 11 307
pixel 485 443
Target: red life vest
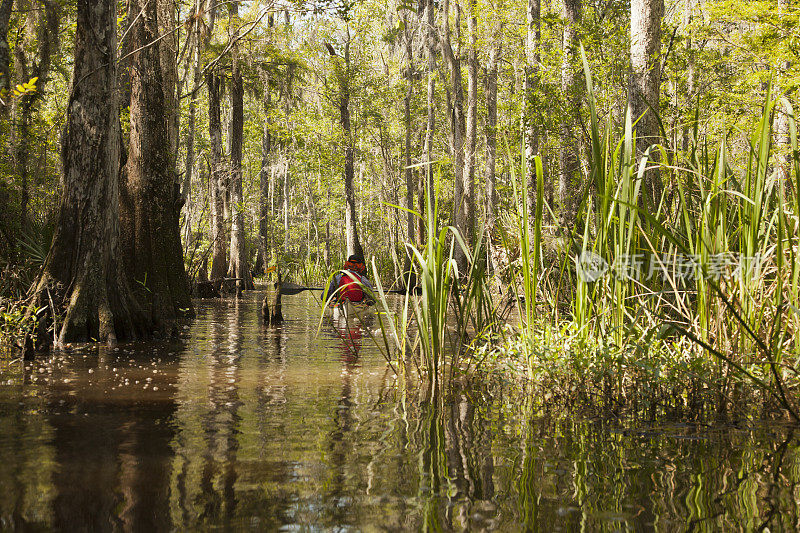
pixel 349 288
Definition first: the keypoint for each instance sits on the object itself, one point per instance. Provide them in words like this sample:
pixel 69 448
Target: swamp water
pixel 240 426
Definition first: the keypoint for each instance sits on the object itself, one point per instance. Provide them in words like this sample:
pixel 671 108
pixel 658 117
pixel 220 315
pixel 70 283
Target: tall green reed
pixel 451 310
pixel 631 264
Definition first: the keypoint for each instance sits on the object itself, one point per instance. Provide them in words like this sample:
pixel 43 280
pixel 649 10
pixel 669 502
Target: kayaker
pixel 351 283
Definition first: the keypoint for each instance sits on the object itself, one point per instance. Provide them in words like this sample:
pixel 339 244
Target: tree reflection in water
pixel 241 425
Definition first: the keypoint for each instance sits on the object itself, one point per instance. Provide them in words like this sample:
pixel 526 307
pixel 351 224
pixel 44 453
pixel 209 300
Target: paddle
pixel 289 289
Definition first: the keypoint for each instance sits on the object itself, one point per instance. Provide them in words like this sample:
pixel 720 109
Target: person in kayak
pixel 350 283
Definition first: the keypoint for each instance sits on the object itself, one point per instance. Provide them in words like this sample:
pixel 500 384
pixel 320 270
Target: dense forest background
pixel 155 147
pixel 391 66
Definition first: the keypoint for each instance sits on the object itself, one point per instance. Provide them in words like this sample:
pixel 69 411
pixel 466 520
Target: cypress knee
pixel 265 309
pixel 276 317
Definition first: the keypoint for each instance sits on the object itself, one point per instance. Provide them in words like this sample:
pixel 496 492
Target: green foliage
pixel 453 310
pixel 18 322
pixel 659 334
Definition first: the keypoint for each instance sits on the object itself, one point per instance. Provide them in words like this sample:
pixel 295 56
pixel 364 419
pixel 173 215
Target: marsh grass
pixel 450 310
pixel 678 325
pixel 668 339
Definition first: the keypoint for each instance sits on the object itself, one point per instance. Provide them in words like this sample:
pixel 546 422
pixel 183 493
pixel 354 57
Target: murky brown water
pixel 241 426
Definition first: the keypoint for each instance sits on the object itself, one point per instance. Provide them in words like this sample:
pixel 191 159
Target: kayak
pixel 347 310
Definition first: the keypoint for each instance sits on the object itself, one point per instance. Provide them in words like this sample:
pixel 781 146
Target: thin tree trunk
pixel 5 84
pixel 350 217
pixel 645 82
pixel 570 181
pixel 456 114
pixel 430 125
pixel 782 139
pixel 271 243
pixel 190 127
pixel 5 56
pixel 688 15
pixel 491 137
pixel 238 267
pixel 219 263
pixel 285 203
pixel 82 274
pixel 264 218
pixel 150 199
pixel 471 126
pixel 532 101
pixel 408 171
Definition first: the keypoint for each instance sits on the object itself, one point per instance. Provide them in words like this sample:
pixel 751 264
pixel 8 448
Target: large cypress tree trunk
pixel 645 83
pixel 219 263
pixel 569 179
pixel 82 275
pixel 238 267
pixel 150 193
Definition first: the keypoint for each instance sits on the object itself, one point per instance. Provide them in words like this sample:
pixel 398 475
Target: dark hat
pixel 356 258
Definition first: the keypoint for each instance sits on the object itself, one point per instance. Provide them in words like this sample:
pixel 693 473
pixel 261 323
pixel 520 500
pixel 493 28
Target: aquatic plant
pixel 708 324
pixel 448 310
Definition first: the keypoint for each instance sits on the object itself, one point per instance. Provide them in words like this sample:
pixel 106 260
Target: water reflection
pixel 100 452
pixel 241 425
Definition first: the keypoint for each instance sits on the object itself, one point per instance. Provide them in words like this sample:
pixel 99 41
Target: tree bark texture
pixel 470 142
pixel 429 23
pixel 219 263
pixel 645 82
pixel 238 267
pixel 5 54
pixel 264 212
pixel 353 242
pixel 569 180
pixel 532 107
pixel 168 61
pixel 457 126
pixel 82 274
pixel 491 131
pixel 150 193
